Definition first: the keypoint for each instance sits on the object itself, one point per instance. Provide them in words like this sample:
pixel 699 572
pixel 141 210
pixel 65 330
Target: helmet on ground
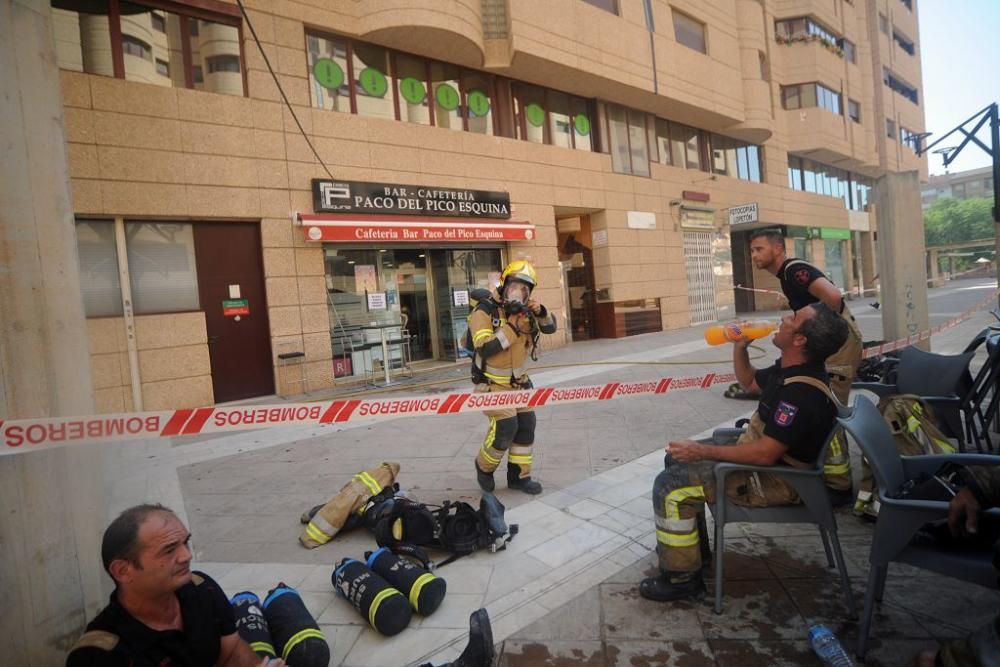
pixel 520 270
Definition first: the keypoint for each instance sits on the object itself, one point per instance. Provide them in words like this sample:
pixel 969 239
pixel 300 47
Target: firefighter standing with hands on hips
pixel 505 332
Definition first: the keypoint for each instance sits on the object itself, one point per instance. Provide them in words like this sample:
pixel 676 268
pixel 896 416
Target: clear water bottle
pixel 828 647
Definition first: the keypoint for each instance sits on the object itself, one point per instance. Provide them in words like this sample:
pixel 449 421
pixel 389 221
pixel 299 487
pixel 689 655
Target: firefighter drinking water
pixel 504 329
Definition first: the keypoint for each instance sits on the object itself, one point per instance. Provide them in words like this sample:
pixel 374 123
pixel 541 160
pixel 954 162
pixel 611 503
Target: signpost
pixel 743 214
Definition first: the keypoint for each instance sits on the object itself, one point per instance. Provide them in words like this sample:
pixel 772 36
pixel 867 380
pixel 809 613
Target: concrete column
pixel 849 277
pixel 900 241
pixel 52 507
pixel 934 273
pixel 868 264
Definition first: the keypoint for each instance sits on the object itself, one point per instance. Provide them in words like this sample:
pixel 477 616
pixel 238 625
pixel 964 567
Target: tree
pixel 954 221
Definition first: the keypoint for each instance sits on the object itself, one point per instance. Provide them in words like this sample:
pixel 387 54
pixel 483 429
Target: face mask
pixel 516 293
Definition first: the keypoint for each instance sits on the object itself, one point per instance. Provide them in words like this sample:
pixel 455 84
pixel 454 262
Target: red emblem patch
pixel 802 276
pixel 785 414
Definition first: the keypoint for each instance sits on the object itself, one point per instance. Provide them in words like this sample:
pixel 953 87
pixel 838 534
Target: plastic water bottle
pixel 828 647
pixel 734 331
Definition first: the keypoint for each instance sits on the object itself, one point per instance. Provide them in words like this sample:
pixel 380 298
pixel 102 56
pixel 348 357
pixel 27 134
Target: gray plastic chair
pixel 815 508
pixel 899 519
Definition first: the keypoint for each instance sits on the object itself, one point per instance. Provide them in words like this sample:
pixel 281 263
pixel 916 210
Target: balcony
pixel 449 30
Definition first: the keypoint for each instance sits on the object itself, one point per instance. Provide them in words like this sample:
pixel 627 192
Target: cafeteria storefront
pixel 395 273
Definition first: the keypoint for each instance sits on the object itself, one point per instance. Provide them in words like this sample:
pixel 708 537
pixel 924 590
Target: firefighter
pixel 795 414
pixel 505 330
pixel 804 284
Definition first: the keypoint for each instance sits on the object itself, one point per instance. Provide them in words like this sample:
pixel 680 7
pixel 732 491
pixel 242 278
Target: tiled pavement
pixel 564 593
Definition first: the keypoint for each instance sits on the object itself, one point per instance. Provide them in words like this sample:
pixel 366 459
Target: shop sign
pixel 697 218
pixel 743 214
pixel 835 234
pixel 387 229
pixel 234 307
pixel 382 198
pixel 640 220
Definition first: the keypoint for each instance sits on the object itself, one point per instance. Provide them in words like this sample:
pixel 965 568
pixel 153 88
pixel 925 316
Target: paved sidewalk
pixel 565 591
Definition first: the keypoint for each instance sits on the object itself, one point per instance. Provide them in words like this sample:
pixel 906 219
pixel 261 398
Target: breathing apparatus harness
pixel 486 303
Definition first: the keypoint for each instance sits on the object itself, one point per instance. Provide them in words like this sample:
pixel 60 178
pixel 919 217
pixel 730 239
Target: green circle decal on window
pixel 581 124
pixel 478 103
pixel 446 96
pixel 373 82
pixel 412 90
pixel 535 114
pixel 328 73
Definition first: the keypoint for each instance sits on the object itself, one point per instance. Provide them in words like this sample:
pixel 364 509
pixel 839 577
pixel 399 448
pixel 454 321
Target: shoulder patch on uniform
pixel 197 579
pixel 802 276
pixel 99 639
pixel 784 414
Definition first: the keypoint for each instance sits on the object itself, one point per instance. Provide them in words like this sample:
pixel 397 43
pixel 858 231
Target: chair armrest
pixel 723 469
pixel 721 435
pixel 876 388
pixel 944 400
pixel 931 463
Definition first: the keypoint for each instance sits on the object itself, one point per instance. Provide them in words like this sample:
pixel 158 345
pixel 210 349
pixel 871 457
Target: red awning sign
pixel 322 228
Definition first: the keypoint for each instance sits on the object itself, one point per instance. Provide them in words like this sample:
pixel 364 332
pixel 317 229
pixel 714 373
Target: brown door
pixel 228 256
pixel 742 271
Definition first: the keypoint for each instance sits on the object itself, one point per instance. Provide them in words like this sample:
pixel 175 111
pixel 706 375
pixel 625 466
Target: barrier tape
pixel 927 333
pixel 27 435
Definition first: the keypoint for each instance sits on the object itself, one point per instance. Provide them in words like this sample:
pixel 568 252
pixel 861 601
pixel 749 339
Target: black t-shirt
pixel 207 617
pixel 797 415
pixel 795 282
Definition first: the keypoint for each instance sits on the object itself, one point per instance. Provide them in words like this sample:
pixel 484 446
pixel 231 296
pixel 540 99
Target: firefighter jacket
pixel 501 352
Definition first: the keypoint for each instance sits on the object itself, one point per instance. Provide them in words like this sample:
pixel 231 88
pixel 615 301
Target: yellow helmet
pixel 522 270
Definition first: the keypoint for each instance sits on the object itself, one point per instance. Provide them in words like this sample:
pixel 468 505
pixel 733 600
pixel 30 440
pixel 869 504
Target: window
pixel 95 244
pixel 371 85
pixel 890 128
pixel 854 110
pixel 161 267
pixel 883 23
pixel 157 46
pixel 560 125
pixel 627 137
pixel 850 51
pixel 223 64
pixel 806 95
pixel 908 4
pixel 806 30
pixel 735 158
pixel 477 89
pixel 689 32
pixel 328 73
pixel 411 89
pixel 809 176
pixel 132 46
pixel 530 107
pixel 903 42
pixel 765 73
pixel 606 5
pixel 909 138
pixel 900 86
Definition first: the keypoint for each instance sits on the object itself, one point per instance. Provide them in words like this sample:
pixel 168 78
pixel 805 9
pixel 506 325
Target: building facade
pixel 968 184
pixel 626 147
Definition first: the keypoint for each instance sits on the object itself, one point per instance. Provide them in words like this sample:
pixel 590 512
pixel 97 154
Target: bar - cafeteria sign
pixel 395 199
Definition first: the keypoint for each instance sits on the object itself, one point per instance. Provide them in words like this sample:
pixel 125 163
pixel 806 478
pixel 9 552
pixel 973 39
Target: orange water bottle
pixel 734 331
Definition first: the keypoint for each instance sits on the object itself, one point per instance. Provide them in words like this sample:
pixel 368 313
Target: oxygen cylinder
pixel 727 333
pixel 423 589
pixel 386 609
pixel 297 637
pixel 251 624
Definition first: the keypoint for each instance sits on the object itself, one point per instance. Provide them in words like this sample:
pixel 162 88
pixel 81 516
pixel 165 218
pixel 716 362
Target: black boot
pixel 479 652
pixel 664 588
pixel 515 481
pixel 485 480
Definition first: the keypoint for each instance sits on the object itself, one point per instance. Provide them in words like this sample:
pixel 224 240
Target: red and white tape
pixel 26 435
pixel 927 333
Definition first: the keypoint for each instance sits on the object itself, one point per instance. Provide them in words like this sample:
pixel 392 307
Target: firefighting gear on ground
pixel 386 608
pixel 505 326
pixel 422 588
pixel 373 499
pixel 280 626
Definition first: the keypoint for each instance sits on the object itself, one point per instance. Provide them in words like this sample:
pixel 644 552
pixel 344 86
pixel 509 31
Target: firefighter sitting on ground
pixel 505 335
pixel 795 414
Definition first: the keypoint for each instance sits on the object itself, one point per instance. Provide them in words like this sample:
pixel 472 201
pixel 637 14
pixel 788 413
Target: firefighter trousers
pixel 510 431
pixel 842 366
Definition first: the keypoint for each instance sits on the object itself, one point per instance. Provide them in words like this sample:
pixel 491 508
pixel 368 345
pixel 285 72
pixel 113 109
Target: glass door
pixel 415 309
pixel 455 274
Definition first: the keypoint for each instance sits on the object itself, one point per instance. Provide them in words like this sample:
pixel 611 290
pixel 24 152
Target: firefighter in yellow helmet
pixel 505 331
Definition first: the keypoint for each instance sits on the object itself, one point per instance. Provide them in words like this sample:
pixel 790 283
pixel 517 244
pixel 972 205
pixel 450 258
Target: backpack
pixel 915 432
pixel 482 299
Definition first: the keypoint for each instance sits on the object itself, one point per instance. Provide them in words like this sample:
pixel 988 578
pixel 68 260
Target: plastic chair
pixel 936 378
pixel 899 519
pixel 815 508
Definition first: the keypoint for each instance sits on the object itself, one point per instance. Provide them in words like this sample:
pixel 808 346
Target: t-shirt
pixel 796 276
pixel 207 617
pixel 797 415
